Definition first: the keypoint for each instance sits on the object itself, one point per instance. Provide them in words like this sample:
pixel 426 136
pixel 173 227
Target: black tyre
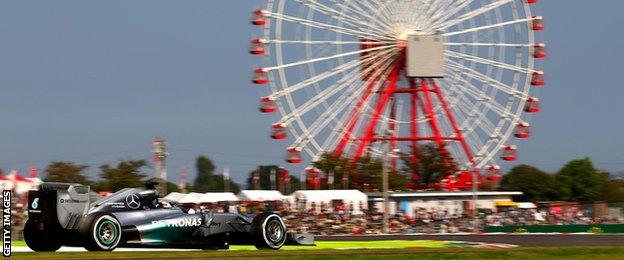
pixel 39 239
pixel 269 231
pixel 101 232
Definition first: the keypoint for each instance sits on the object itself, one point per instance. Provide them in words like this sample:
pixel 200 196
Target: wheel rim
pixel 107 232
pixel 274 231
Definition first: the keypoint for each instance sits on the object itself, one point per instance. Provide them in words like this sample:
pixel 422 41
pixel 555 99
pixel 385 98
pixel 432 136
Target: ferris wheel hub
pixel 425 56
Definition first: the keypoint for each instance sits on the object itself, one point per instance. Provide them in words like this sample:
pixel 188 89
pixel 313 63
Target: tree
pixel 534 183
pixel 432 165
pixel 68 172
pixel 579 181
pixel 613 188
pixel 338 165
pixel 264 183
pixel 205 174
pixel 207 181
pixel 363 175
pixel 172 187
pixel 125 174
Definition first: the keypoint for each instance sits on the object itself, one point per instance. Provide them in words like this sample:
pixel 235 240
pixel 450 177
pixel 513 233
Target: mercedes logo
pixel 133 201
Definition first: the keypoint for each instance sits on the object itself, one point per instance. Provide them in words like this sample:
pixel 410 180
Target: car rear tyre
pixel 39 239
pixel 102 232
pixel 269 231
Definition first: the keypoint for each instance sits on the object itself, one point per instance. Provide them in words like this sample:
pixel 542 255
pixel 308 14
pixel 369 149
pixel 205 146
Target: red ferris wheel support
pixel 422 92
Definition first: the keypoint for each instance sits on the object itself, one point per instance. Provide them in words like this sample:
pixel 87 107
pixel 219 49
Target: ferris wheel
pixel 354 77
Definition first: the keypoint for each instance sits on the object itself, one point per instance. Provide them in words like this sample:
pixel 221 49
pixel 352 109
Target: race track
pixel 550 240
pixel 494 240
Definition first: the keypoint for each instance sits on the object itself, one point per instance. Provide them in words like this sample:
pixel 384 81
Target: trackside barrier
pixel 598 229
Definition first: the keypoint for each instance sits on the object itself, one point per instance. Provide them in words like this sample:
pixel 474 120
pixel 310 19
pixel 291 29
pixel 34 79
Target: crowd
pixel 341 220
pixel 569 216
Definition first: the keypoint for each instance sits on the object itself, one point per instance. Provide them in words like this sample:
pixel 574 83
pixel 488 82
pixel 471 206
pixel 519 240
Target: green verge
pixel 17 243
pixel 411 253
pixel 320 245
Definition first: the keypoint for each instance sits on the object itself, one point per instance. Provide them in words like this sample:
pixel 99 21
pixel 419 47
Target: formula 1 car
pixel 61 214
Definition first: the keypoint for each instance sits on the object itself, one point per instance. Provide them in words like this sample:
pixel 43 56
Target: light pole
pixel 226 179
pixel 386 196
pixel 475 191
pixel 160 164
pixel 384 179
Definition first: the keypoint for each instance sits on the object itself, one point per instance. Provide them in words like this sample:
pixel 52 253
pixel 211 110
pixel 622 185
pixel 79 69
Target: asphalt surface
pixel 550 240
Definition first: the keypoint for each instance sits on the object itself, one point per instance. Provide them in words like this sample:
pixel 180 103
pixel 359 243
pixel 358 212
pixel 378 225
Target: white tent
pixel 526 205
pixel 261 195
pixel 174 197
pixel 214 197
pixel 350 197
pixel 192 198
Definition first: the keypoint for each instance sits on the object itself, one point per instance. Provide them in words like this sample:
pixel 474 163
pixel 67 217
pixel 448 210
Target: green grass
pixel 320 245
pixel 395 254
pixel 18 243
pixel 344 245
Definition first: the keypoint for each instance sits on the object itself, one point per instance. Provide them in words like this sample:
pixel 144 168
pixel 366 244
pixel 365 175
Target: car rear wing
pixel 64 203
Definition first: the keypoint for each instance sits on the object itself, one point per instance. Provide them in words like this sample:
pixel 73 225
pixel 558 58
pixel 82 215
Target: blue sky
pixel 95 81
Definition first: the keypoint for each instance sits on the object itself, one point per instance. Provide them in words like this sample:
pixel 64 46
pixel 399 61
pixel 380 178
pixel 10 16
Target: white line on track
pixel 80 249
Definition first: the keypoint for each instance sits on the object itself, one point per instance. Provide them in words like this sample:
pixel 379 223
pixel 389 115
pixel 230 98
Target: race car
pixel 61 214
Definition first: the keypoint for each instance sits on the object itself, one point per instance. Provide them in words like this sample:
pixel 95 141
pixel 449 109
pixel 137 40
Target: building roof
pixel 192 197
pixel 329 195
pixel 261 195
pixel 174 197
pixel 213 197
pixel 445 194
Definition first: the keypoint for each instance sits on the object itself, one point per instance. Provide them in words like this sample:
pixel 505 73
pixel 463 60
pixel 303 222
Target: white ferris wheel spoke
pixel 325 26
pixel 445 15
pixel 481 96
pixel 318 125
pixel 328 74
pixel 357 10
pixel 494 63
pixel 382 63
pixel 310 81
pixel 342 17
pixel 490 44
pixel 489 26
pixel 472 114
pixel 444 8
pixel 328 42
pixel 339 85
pixel 340 129
pixel 485 79
pixel 327 58
pixel 328 116
pixel 479 11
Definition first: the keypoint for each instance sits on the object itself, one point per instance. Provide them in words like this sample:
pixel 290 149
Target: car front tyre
pixel 269 231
